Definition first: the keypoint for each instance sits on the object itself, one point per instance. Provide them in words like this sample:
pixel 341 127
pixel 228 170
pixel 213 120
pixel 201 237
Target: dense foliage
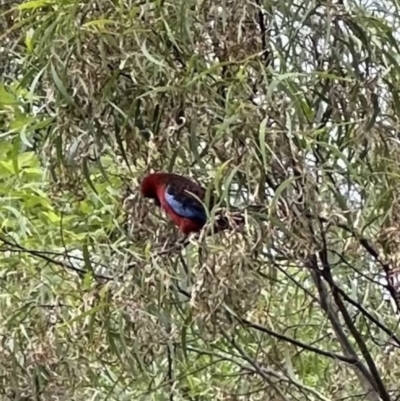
pixel 288 111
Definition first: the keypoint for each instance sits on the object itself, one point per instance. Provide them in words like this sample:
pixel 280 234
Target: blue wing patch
pixel 184 205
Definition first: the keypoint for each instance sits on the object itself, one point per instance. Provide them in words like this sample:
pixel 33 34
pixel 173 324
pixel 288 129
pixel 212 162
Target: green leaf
pixel 149 56
pixel 86 173
pixel 32 5
pixel 60 86
pixel 6 98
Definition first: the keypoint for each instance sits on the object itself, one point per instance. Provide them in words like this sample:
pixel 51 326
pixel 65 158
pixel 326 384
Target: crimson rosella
pixel 176 195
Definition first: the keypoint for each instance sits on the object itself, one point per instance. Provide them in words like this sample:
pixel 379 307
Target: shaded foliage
pixel 288 111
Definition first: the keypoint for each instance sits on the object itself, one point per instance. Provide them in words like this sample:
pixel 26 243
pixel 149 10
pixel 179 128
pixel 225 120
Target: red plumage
pixel 174 194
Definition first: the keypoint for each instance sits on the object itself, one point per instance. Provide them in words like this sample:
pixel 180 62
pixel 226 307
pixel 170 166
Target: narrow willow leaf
pixel 86 173
pixel 6 98
pixel 60 86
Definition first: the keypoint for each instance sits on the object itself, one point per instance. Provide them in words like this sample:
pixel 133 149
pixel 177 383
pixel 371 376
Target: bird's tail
pixel 236 218
pixel 228 220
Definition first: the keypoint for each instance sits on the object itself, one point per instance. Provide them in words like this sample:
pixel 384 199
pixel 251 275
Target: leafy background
pixel 288 111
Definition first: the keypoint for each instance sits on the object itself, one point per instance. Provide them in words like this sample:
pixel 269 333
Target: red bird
pixel 174 194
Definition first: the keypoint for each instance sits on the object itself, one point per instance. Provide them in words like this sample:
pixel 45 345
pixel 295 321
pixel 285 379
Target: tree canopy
pixel 288 112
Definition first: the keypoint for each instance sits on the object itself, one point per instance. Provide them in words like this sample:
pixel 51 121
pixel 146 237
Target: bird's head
pixel 152 183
